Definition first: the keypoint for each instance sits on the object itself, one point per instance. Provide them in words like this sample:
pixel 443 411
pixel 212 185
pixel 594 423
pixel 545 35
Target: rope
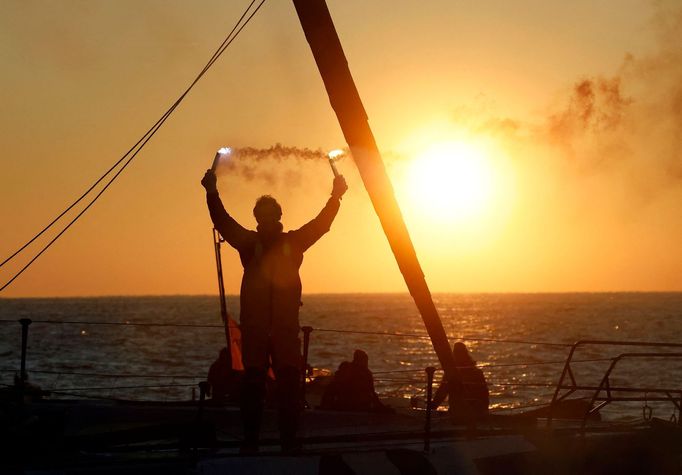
pixel 104 388
pixel 511 408
pixel 176 376
pixel 421 370
pixel 108 375
pixel 236 30
pixel 530 385
pixel 360 332
pixel 464 338
pixel 131 324
pixel 195 325
pixel 538 363
pixel 485 366
pixel 87 396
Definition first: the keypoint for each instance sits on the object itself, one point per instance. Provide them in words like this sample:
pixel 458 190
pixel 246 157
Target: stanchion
pixel 198 423
pixel 203 389
pixel 429 397
pixel 25 322
pixel 306 345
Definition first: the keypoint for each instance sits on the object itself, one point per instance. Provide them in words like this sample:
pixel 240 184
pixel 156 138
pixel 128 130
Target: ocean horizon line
pixel 358 293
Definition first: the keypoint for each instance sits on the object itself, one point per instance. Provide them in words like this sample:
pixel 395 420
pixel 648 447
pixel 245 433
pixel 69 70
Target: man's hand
pixel 209 181
pixel 339 187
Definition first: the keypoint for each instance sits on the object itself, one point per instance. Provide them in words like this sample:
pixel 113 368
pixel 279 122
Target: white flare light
pixel 334 154
pixel 223 152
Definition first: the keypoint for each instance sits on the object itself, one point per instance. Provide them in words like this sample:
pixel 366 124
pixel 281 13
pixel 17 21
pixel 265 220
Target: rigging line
pixel 522 342
pixel 191 325
pixel 145 138
pixel 420 370
pixel 53 240
pixel 361 332
pixel 462 337
pixel 123 324
pixel 512 408
pixel 538 363
pixel 484 366
pixel 422 336
pixel 160 123
pixel 108 375
pixel 70 207
pixel 103 388
pixel 529 385
pixel 86 396
pixel 99 180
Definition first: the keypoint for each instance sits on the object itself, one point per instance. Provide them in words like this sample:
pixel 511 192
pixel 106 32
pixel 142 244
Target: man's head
pixel 461 355
pixel 267 210
pixel 361 358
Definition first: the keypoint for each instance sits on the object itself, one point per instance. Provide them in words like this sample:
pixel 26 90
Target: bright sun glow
pixel 451 180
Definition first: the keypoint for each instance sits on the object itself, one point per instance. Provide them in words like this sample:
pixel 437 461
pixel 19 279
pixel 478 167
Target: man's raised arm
pixel 309 233
pixel 235 235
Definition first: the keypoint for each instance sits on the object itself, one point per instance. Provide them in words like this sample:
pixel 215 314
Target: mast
pixel 345 100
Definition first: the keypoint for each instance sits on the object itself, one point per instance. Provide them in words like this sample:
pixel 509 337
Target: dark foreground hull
pixel 65 437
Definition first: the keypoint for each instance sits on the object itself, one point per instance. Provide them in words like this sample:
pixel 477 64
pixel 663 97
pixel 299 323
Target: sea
pixel 159 348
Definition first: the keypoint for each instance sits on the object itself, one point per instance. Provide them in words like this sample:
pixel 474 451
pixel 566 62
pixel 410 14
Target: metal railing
pixel 568 384
pixel 612 391
pixel 604 393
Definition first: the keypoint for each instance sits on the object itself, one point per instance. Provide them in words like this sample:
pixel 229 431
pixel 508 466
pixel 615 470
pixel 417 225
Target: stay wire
pixel 99 180
pixel 458 337
pixel 236 30
pixel 53 240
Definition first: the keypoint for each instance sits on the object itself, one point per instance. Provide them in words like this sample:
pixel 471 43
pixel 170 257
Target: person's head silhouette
pixel 461 355
pixel 267 210
pixel 360 358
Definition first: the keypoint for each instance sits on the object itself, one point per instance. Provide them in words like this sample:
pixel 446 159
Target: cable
pixel 411 335
pixel 213 58
pixel 86 396
pixel 465 338
pixel 108 375
pixel 236 30
pixel 539 363
pixel 104 388
pixel 530 385
pixel 485 366
pixel 421 370
pixel 123 324
pixel 512 408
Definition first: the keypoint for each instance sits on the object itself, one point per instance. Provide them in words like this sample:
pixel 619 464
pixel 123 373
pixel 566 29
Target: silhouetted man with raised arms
pixel 270 298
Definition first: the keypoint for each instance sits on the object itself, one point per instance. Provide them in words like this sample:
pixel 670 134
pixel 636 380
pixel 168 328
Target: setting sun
pixel 451 180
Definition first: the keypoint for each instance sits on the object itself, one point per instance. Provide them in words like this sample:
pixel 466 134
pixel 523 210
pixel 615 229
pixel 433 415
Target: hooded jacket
pixel 270 294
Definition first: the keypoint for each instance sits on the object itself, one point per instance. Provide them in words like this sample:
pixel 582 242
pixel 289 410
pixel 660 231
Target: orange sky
pixel 576 106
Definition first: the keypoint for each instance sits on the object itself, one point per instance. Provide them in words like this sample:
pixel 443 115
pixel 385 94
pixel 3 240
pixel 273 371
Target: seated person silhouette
pixel 352 388
pixel 224 381
pixel 475 387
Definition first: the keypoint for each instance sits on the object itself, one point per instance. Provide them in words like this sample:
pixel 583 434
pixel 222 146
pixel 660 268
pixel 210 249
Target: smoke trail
pixel 248 162
pixel 279 152
pixel 596 105
pixel 593 127
pixel 628 123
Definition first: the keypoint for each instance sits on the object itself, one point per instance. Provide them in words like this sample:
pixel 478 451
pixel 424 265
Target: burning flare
pixel 224 151
pixel 332 156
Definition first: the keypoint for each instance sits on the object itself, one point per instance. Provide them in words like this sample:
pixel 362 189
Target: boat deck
pixel 77 436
